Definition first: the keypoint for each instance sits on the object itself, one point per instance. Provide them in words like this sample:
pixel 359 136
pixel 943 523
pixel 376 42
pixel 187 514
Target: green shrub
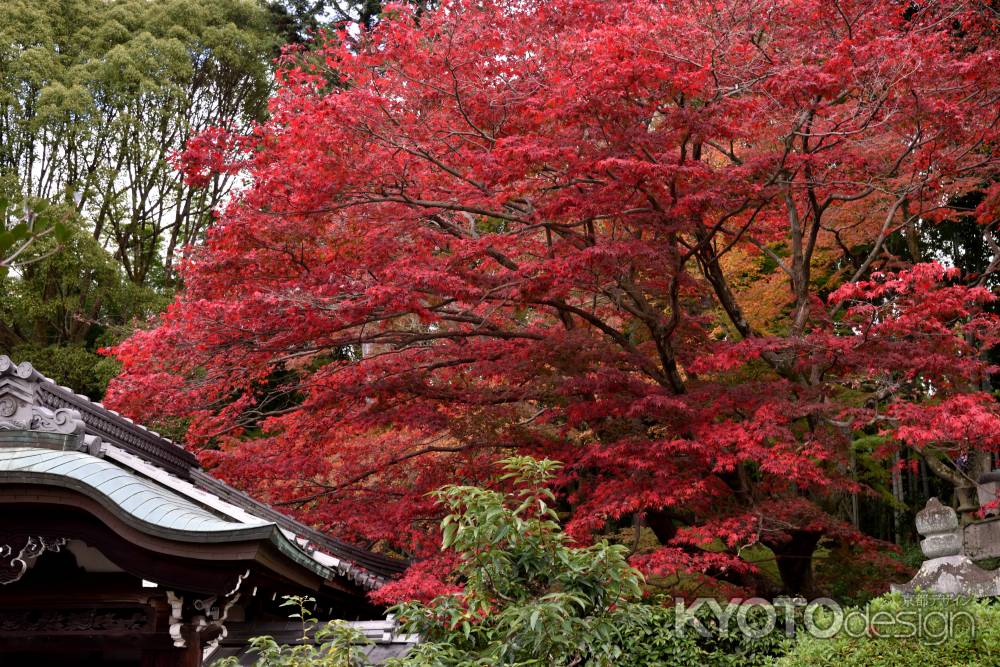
pixel 333 644
pixel 655 641
pixel 529 596
pixel 892 631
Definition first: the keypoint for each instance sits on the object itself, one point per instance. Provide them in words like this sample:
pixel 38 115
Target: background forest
pixel 100 231
pixel 96 98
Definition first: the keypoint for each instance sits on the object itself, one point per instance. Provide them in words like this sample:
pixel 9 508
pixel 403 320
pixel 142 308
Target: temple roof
pixel 51 436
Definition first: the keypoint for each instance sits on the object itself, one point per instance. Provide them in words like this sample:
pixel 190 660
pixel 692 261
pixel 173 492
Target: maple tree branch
pixel 712 271
pixel 429 448
pixel 461 107
pixel 950 474
pixel 329 490
pixel 617 336
pixel 880 239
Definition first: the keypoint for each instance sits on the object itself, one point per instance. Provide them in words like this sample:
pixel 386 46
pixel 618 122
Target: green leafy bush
pixel 529 597
pixel 655 641
pixel 945 632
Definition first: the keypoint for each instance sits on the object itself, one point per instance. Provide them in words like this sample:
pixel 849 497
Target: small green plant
pixel 332 644
pixel 529 596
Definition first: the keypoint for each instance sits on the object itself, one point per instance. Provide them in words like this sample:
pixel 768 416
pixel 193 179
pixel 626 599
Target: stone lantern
pixel 947 569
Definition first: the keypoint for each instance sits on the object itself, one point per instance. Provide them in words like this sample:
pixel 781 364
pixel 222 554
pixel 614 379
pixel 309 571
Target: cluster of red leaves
pixel 505 227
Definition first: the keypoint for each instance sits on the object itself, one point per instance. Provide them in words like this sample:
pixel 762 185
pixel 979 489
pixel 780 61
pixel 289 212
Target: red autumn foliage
pixel 513 225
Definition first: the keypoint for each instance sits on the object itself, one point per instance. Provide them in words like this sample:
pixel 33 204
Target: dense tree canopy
pixel 72 299
pixel 96 96
pixel 677 246
pixel 95 99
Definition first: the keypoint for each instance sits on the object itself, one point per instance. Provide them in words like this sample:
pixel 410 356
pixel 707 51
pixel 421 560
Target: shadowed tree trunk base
pixel 794 559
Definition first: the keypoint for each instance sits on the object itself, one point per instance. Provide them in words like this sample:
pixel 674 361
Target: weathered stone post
pixel 988 490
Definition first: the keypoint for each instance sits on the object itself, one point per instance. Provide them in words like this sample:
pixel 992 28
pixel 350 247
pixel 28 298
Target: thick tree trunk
pixel 794 560
pixel 662 524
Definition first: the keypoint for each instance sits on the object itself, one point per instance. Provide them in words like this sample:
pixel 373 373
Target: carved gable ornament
pixel 19 552
pixel 20 409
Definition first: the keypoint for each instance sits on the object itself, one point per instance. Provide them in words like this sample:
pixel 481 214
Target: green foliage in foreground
pixel 924 631
pixel 531 598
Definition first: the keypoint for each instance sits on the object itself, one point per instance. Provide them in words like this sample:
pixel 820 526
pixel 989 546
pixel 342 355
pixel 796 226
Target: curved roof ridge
pixel 116 486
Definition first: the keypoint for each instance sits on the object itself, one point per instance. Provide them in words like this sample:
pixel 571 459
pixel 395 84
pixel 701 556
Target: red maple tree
pixel 513 225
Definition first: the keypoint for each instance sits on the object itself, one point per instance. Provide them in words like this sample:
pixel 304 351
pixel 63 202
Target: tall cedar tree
pixel 538 227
